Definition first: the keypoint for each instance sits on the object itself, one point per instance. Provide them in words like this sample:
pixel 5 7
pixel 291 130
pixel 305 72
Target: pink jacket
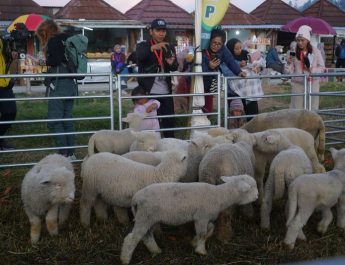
pixel 148 124
pixel 317 66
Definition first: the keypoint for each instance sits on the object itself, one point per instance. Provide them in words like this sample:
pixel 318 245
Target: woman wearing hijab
pixel 212 58
pixel 308 60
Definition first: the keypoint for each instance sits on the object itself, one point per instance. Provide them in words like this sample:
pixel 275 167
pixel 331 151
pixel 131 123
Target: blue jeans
pixel 60 109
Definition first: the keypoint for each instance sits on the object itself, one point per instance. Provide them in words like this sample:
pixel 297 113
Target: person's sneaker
pixel 72 157
pixel 5 146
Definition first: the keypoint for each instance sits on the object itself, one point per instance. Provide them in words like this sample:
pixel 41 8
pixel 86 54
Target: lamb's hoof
pixel 301 236
pixel 193 243
pixel 341 225
pixel 224 237
pixel 201 251
pixel 321 229
pixel 156 252
pixel 265 226
pixel 289 246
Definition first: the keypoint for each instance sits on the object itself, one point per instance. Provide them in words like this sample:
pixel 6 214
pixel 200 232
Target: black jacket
pixel 56 50
pixel 147 63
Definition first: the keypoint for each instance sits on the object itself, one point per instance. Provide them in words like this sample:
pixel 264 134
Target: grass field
pixel 101 244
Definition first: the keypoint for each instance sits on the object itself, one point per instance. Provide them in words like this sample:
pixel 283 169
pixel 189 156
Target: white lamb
pixel 179 203
pixel 48 190
pixel 229 160
pixel 311 192
pixel 296 136
pixel 290 163
pixel 291 118
pixel 115 141
pixel 113 180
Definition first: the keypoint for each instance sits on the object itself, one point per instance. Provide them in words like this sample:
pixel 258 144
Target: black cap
pixel 158 23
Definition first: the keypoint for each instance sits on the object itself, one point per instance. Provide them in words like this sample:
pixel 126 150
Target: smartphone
pixel 292 54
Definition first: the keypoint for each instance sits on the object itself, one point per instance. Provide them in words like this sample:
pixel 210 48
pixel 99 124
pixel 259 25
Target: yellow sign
pixel 213 12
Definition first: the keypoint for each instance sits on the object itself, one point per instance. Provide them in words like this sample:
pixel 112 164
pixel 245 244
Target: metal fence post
pixel 111 94
pixel 226 111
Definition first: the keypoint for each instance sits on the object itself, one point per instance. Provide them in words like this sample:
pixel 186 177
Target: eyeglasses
pixel 214 43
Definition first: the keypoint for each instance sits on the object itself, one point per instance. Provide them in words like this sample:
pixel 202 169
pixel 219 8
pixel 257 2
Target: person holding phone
pixel 212 58
pixel 307 59
pixel 156 55
pixel 235 47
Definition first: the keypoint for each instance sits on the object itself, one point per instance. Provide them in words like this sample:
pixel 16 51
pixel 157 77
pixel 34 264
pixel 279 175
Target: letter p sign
pixel 210 9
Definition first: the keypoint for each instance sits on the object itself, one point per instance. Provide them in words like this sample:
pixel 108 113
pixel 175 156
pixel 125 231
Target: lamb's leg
pixel 210 229
pixel 35 228
pixel 341 212
pixel 52 220
pixel 101 210
pixel 86 203
pixel 131 241
pixel 296 225
pixel 64 210
pixel 150 242
pixel 266 205
pixel 224 231
pixel 260 167
pixel 327 218
pixel 201 230
pixel 317 167
pixel 122 215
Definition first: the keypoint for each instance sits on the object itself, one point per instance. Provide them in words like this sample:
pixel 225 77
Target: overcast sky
pixel 124 5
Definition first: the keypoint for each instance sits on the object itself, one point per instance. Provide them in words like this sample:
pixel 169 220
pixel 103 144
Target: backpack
pixel 342 52
pixel 75 49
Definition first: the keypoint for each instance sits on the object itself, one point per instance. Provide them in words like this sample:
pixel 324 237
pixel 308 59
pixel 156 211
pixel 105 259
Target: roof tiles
pixel 175 16
pixel 276 12
pixel 11 9
pixel 327 11
pixel 236 16
pixel 90 10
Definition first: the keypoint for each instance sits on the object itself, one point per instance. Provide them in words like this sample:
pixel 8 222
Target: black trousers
pixel 250 108
pixel 166 108
pixel 8 110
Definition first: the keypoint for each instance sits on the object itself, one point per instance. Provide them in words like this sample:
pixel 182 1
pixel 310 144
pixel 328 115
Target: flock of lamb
pixel 174 181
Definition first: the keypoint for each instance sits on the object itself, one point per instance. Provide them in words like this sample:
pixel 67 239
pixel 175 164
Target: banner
pixel 213 12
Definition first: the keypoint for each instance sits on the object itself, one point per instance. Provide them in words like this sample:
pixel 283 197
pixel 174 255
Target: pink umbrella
pixel 318 25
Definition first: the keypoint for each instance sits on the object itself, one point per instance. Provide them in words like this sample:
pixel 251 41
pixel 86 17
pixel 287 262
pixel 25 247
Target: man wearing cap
pixel 157 56
pixel 308 60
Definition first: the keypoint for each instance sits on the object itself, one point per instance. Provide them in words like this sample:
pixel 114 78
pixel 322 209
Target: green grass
pixel 101 244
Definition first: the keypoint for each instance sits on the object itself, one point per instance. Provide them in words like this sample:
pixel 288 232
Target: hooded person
pixel 8 109
pixel 308 60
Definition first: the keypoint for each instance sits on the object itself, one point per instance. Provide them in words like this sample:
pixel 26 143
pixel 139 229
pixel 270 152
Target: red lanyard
pixel 160 57
pixel 208 54
pixel 301 57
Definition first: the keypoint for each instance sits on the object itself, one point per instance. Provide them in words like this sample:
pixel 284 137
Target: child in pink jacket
pixel 147 106
pixel 308 60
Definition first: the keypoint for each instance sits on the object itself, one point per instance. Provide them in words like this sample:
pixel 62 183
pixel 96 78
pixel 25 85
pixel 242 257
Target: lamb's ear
pixel 243 186
pixel 333 152
pixel 183 157
pixel 270 139
pixel 135 134
pixel 226 178
pixel 124 119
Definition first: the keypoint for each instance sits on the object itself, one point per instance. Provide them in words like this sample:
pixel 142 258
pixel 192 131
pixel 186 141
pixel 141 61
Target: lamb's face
pixel 147 141
pixel 246 186
pixel 240 135
pixel 338 157
pixel 267 141
pixel 179 161
pixel 59 186
pixel 200 145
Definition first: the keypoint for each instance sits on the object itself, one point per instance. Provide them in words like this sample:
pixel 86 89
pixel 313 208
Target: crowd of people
pixel 157 56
